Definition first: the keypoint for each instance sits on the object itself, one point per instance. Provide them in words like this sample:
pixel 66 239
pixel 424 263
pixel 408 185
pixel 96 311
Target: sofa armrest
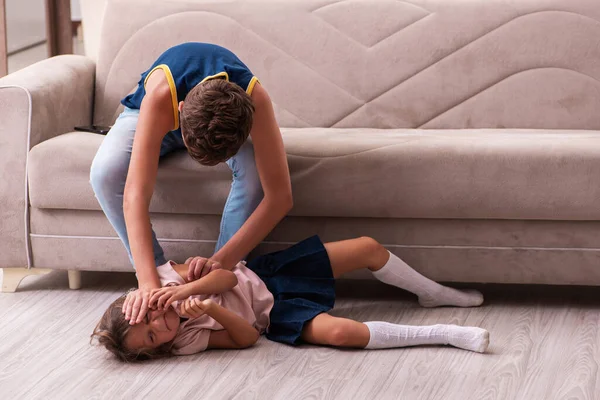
pixel 61 90
pixel 37 103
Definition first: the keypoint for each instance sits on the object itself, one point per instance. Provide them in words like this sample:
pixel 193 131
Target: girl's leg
pixel 109 172
pixel 384 335
pixel 353 254
pixel 365 252
pixel 245 194
pixel 328 330
pixel 325 329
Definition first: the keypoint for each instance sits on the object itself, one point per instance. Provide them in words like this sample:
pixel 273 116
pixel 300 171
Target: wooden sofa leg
pixel 13 276
pixel 74 279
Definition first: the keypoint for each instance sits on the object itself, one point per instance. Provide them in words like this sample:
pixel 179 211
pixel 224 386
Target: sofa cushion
pixel 503 174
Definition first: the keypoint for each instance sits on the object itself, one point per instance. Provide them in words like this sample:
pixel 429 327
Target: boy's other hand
pixel 163 297
pixel 136 305
pixel 200 266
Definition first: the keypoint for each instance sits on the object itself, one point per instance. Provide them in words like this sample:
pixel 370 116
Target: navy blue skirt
pixel 301 281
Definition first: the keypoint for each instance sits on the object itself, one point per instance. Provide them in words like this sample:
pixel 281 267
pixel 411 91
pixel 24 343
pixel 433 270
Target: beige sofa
pixel 464 135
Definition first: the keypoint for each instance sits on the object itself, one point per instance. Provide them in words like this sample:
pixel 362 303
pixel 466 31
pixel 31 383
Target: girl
pixel 286 295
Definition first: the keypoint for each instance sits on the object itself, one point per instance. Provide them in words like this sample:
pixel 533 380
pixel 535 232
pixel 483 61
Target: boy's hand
pixel 163 297
pixel 136 305
pixel 194 308
pixel 200 266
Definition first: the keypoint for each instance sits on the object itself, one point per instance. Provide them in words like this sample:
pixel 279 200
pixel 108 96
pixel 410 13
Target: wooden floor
pixel 545 344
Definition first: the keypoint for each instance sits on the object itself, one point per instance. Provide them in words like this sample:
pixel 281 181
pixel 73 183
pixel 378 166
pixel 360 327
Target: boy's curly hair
pixel 216 119
pixel 111 331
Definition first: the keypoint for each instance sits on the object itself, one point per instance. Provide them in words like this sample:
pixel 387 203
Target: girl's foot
pixel 431 294
pixel 468 338
pixel 446 296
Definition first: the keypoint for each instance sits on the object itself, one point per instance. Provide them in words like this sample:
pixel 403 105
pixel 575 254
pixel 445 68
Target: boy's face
pixel 158 328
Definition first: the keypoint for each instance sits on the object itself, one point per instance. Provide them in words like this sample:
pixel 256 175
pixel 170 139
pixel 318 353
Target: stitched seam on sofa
pixel 345 91
pixel 26 216
pixel 327 5
pixel 308 124
pixel 404 246
pixel 413 75
pixel 245 29
pixel 481 91
pixel 44 236
pixel 416 246
pixel 375 44
pixel 343 1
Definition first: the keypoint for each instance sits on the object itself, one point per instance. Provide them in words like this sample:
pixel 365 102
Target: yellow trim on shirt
pixel 220 74
pixel 251 85
pixel 173 88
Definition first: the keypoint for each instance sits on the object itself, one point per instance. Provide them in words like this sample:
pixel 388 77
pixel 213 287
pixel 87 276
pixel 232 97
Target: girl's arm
pixel 237 333
pixel 215 282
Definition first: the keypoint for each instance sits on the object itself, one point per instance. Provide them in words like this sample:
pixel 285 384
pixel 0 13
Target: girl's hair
pixel 111 331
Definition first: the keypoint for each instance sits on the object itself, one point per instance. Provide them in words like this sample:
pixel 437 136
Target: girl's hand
pixel 163 297
pixel 194 308
pixel 200 266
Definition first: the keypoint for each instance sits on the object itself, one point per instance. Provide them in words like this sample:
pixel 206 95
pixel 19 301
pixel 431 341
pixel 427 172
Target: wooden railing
pixel 58 27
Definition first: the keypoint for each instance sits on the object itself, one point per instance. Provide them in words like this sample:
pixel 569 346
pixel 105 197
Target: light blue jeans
pixel 109 172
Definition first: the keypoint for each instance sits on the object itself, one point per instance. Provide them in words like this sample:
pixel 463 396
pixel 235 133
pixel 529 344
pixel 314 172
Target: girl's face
pixel 159 327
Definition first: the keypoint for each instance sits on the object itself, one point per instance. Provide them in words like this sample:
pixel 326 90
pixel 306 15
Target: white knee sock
pixel 431 294
pixel 385 335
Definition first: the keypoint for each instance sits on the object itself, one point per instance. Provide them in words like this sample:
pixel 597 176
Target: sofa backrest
pixel 380 63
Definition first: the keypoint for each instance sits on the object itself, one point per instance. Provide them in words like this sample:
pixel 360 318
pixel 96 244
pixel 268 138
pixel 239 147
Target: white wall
pixel 75 10
pixel 92 12
pixel 25 23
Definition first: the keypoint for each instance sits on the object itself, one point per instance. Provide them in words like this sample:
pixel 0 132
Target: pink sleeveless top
pixel 250 299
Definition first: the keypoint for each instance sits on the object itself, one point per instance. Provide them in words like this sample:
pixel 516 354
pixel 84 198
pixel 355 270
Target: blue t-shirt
pixel 186 65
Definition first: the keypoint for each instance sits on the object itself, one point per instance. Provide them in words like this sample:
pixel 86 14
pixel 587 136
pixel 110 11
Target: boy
pixel 203 98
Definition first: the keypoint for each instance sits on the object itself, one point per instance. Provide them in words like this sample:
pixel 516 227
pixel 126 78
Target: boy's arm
pixel 215 282
pixel 273 171
pixel 155 120
pixel 237 333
